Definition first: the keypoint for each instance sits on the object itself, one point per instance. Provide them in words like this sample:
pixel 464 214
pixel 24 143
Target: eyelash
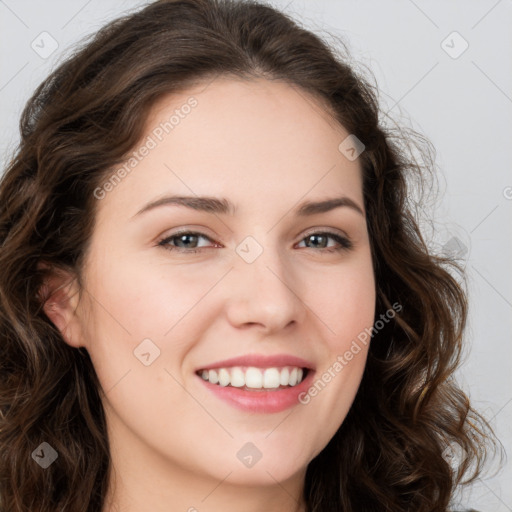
pixel 344 243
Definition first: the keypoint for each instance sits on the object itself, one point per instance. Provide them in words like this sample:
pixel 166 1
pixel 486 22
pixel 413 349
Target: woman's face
pixel 245 281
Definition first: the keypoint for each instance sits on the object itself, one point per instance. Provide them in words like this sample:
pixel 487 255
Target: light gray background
pixel 463 105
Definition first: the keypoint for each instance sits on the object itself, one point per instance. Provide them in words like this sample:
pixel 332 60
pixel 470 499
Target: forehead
pixel 241 139
pixel 248 112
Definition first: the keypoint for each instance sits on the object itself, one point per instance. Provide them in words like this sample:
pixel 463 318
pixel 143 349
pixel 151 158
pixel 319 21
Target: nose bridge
pixel 262 292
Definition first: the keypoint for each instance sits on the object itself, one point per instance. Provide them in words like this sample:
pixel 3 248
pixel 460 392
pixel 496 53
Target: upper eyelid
pixel 187 232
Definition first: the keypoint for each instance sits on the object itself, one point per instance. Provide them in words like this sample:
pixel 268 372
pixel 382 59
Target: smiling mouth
pixel 251 378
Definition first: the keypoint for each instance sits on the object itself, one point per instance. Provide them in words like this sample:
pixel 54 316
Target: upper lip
pixel 261 361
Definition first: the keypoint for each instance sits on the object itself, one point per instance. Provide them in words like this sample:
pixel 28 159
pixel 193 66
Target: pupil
pixel 183 238
pixel 315 238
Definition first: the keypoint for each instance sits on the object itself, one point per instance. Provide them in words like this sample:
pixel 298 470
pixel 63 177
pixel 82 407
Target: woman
pixel 214 295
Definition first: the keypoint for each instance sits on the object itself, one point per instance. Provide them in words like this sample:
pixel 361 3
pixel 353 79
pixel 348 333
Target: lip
pixel 260 361
pixel 261 400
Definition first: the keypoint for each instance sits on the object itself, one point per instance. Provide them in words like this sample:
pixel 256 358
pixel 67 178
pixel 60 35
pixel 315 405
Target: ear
pixel 60 295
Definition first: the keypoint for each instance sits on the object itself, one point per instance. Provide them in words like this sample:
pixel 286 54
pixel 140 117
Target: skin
pixel 266 147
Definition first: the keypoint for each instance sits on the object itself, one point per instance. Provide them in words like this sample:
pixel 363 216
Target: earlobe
pixel 59 295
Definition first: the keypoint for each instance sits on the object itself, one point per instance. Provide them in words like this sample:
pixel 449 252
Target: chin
pixel 262 474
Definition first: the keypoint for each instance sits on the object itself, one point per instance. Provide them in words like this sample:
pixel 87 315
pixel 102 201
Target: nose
pixel 265 294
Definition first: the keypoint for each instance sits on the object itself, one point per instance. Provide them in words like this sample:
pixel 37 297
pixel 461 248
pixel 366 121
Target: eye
pixel 188 242
pixel 321 240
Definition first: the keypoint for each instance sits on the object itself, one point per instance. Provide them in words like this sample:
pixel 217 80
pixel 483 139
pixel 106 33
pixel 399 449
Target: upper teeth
pixel 256 378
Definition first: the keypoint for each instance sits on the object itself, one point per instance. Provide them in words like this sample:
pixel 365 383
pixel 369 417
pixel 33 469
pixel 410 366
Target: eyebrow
pixel 225 207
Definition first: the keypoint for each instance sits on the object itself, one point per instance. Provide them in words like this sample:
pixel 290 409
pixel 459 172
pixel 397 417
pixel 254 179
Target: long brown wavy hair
pixel 390 452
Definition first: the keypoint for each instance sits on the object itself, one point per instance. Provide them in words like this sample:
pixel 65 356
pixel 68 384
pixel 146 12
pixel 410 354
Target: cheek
pixel 344 301
pixel 133 301
pixel 149 300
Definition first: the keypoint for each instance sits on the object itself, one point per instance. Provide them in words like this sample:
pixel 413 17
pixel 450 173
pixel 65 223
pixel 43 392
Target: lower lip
pixel 261 400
